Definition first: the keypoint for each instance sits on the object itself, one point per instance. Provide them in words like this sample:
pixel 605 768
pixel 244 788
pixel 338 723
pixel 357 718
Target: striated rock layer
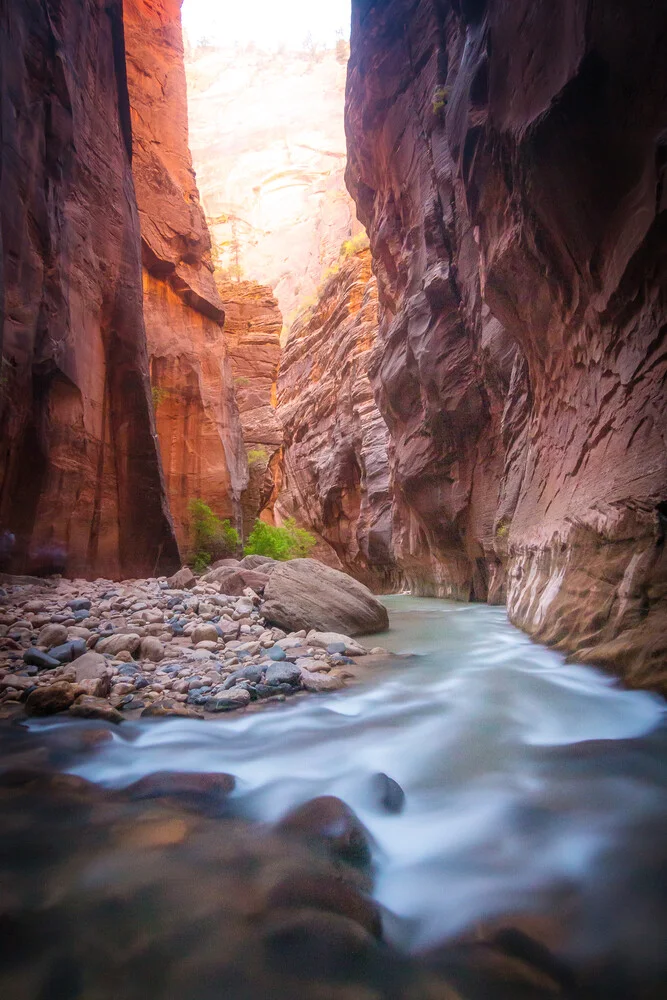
pixel 80 483
pixel 508 162
pixel 196 413
pixel 253 323
pixel 335 474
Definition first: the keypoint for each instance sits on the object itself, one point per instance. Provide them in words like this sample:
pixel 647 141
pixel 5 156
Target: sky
pixel 267 23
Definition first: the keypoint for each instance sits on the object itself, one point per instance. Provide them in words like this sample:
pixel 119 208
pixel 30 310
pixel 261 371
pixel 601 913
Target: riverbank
pixel 163 648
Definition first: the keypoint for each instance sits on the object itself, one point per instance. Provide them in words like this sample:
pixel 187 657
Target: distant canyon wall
pixel 198 423
pixel 81 488
pixel 509 164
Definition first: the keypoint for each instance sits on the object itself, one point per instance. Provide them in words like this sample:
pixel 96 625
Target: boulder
pixel 262 563
pixel 183 580
pixel 236 697
pixel 152 649
pixel 225 563
pixel 52 635
pixel 51 699
pixel 122 643
pixel 329 819
pixel 205 633
pixel 320 682
pixel 325 639
pixel 235 581
pixel 36 658
pixel 283 673
pixel 89 707
pixel 306 594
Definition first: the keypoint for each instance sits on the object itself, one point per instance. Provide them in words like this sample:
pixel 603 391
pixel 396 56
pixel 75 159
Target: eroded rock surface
pixel 80 482
pixel 509 164
pixel 335 473
pixel 193 394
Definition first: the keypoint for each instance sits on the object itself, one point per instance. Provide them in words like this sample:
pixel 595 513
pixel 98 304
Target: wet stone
pixel 36 658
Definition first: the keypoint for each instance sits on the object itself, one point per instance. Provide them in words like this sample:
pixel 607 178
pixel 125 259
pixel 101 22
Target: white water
pixel 506 811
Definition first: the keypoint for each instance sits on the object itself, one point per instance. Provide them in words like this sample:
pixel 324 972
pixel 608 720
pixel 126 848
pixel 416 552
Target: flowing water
pixel 532 786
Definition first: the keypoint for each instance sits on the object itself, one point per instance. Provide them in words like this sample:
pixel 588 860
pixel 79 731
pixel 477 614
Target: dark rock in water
pixel 264 691
pixel 283 673
pixel 50 700
pixel 323 891
pixel 388 793
pixel 329 819
pixel 80 604
pixel 36 658
pixel 310 942
pixel 277 653
pixel 205 793
pixel 306 594
pixel 69 651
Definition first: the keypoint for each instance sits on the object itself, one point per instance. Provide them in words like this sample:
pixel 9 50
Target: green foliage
pixel 159 395
pixel 257 456
pixel 241 381
pixel 440 100
pixel 354 245
pixel 286 542
pixel 502 530
pixel 210 537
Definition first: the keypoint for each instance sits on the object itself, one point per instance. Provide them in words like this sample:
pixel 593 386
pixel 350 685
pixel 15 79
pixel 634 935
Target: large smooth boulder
pixel 234 581
pixel 265 564
pixel 306 594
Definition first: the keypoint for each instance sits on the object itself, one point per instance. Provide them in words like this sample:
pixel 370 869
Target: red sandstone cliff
pixel 509 164
pixel 80 481
pixel 253 323
pixel 197 417
pixel 335 475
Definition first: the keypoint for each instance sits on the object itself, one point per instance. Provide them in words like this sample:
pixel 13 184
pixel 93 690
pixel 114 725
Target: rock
pixel 234 582
pixel 52 635
pixel 205 793
pixel 122 643
pixel 205 633
pixel 252 673
pixel 323 640
pixel 277 653
pixel 322 891
pixel 18 681
pixel 320 682
pixel 51 699
pixel 69 651
pixel 225 564
pixel 306 594
pixel 151 649
pixel 283 673
pixel 166 709
pixel 235 697
pixel 90 707
pixel 387 793
pixel 96 687
pixel 329 819
pixel 80 604
pixel 263 563
pixel 183 580
pixel 36 658
pixel 323 944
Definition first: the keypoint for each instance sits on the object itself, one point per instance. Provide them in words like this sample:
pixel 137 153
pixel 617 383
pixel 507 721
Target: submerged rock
pixel 330 820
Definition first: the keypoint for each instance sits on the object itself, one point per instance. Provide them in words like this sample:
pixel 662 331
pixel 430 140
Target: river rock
pixel 265 564
pixel 183 580
pixel 90 707
pixel 51 699
pixel 306 594
pixel 151 649
pixel 204 633
pixel 320 682
pixel 235 697
pixel 323 891
pixel 329 819
pixel 69 651
pixel 80 604
pixel 283 673
pixel 234 581
pixel 206 793
pixel 165 709
pixel 123 643
pixel 387 793
pixel 277 653
pixel 52 635
pixel 36 658
pixel 343 643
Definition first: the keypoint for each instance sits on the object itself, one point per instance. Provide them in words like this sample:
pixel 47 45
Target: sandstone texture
pixel 509 165
pixel 335 471
pixel 253 323
pixel 305 594
pixel 81 489
pixel 193 394
pixel 268 143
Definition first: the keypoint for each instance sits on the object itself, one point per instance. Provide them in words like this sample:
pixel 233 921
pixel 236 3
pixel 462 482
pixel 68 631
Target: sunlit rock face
pixel 253 323
pixel 508 161
pixel 335 474
pixel 268 143
pixel 197 417
pixel 80 483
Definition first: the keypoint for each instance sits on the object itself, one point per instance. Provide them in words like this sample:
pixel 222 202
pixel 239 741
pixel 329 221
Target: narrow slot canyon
pixel 333 499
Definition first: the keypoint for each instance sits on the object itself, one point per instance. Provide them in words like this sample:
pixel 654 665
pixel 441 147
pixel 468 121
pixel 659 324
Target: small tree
pixel 211 538
pixel 286 542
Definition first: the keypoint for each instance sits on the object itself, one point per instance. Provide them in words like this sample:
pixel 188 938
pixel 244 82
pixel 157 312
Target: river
pixel 532 786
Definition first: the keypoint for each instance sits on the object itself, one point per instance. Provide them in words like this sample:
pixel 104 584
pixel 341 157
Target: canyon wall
pixel 197 417
pixel 335 473
pixel 253 323
pixel 509 162
pixel 81 490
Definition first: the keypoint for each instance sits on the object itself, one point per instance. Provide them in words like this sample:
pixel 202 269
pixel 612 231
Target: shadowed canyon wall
pixel 80 482
pixel 197 417
pixel 335 475
pixel 509 164
pixel 253 323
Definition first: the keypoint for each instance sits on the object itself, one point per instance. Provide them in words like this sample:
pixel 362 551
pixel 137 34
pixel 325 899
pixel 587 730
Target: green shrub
pixel 159 395
pixel 257 456
pixel 354 244
pixel 286 542
pixel 210 537
pixel 441 97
